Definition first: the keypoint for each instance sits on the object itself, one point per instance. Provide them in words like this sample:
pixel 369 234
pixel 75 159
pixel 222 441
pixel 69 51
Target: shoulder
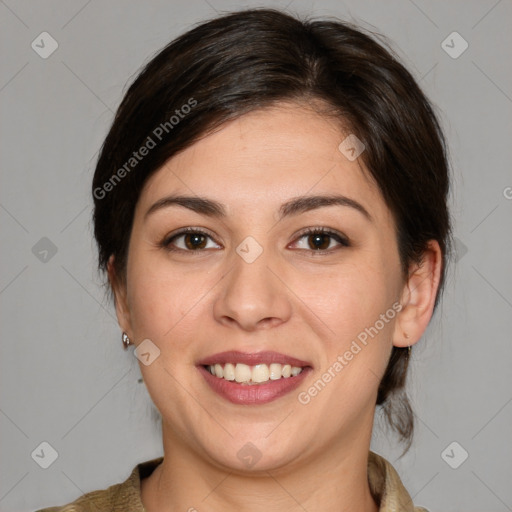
pixel 387 488
pixel 94 501
pixel 122 497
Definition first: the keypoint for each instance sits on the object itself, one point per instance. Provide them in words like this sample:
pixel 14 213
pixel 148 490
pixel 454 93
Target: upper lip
pixel 252 358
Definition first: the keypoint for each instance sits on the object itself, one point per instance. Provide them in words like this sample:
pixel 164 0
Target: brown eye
pixel 189 240
pixel 194 241
pixel 319 241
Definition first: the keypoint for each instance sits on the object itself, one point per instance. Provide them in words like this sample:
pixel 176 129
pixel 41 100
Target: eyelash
pixel 341 239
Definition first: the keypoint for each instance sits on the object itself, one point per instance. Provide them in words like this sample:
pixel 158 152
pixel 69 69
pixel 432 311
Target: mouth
pixel 253 378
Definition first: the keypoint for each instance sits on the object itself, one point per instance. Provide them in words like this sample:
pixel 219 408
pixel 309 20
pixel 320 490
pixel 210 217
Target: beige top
pixel 385 485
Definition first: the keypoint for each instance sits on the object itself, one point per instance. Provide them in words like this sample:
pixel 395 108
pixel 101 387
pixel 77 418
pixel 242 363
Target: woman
pixel 270 209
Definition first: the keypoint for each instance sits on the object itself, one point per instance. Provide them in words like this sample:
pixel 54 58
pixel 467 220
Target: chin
pixel 256 454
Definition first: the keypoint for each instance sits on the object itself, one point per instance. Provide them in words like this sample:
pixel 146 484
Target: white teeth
pixel 229 371
pixel 243 373
pixel 219 372
pixel 260 373
pixel 296 371
pixel 275 371
pixel 286 371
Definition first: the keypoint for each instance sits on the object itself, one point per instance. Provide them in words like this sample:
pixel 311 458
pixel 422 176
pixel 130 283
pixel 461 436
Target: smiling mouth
pixel 253 375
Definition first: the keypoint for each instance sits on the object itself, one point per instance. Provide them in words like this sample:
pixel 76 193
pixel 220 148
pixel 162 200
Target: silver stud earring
pixel 126 341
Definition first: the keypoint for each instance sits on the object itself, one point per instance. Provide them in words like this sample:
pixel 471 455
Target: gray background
pixel 64 376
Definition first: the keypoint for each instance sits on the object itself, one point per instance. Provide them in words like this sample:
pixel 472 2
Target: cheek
pixel 358 303
pixel 168 308
pixel 351 298
pixel 164 302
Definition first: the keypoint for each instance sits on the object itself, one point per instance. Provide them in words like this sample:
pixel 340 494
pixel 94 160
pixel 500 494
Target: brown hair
pixel 248 60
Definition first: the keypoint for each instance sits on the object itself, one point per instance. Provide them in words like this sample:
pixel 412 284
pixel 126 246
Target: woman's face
pixel 254 280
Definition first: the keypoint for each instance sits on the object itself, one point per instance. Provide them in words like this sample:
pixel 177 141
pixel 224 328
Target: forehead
pixel 263 158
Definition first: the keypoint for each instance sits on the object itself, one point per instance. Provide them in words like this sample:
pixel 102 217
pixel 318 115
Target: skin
pixel 294 301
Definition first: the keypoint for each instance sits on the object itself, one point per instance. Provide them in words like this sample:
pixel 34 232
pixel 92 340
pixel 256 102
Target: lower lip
pixel 253 394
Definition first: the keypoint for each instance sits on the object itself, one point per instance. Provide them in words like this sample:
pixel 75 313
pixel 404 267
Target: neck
pixel 337 481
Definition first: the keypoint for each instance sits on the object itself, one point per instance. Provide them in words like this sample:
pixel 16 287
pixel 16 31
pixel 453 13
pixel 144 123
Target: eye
pixel 321 240
pixel 189 239
pixel 315 240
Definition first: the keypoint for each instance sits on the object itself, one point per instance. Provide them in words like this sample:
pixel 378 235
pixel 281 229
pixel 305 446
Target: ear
pixel 120 298
pixel 418 297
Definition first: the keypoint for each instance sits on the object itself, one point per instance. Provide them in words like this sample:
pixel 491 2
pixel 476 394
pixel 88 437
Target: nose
pixel 252 296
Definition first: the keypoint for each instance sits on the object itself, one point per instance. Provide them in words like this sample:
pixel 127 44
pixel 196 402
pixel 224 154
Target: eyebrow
pixel 211 208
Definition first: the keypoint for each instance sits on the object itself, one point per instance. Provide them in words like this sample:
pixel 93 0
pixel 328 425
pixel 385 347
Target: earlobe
pixel 418 297
pixel 120 299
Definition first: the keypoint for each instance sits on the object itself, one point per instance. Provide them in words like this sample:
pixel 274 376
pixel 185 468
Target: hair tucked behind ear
pixel 393 396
